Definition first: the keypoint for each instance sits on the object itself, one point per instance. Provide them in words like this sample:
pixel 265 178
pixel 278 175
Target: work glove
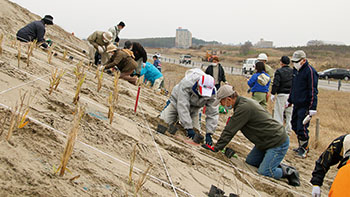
pixel 312 112
pixel 208 139
pixel 190 133
pixel 272 98
pixel 101 68
pixel 143 65
pixel 100 49
pixel 226 82
pixel 316 191
pixel 287 104
pixel 211 148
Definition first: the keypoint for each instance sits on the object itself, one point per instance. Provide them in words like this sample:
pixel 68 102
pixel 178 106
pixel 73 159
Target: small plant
pixel 19 54
pixel 1 39
pixel 50 53
pixel 79 70
pixel 99 79
pixel 142 180
pixel 115 86
pixel 72 137
pixel 77 91
pixel 19 115
pixel 3 125
pixel 65 54
pixel 110 108
pixel 30 51
pixel 132 161
pixel 55 79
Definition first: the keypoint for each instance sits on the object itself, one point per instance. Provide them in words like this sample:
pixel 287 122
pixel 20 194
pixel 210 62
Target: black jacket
pixel 334 154
pixel 33 31
pixel 282 82
pixel 221 78
pixel 139 52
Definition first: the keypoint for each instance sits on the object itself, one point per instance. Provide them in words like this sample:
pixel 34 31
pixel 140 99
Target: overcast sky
pixel 285 22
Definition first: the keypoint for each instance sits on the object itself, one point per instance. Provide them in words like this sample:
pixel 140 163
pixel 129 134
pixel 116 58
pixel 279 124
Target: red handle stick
pixel 137 98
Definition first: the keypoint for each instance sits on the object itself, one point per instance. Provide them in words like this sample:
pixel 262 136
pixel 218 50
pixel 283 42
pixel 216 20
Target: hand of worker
pixel 190 133
pixel 208 139
pixel 226 82
pixel 287 104
pixel 316 191
pixel 312 112
pixel 100 49
pixel 211 148
pixel 143 65
pixel 272 98
pixel 101 68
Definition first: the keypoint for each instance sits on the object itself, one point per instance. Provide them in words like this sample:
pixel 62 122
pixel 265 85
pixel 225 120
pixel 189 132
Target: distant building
pixel 183 38
pixel 322 42
pixel 264 44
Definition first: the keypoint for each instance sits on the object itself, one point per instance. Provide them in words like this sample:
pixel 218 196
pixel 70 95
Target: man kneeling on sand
pixel 270 139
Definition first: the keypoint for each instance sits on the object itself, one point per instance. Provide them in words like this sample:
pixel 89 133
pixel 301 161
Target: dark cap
pixel 127 44
pixel 285 60
pixel 48 19
pixel 121 23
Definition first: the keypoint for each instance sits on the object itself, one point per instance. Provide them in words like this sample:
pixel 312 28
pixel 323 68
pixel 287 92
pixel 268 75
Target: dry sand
pixel 102 155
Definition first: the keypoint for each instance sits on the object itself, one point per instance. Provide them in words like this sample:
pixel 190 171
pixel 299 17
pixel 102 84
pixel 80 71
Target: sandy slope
pixel 102 155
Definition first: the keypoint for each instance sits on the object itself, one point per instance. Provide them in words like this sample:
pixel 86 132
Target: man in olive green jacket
pixel 98 41
pixel 270 139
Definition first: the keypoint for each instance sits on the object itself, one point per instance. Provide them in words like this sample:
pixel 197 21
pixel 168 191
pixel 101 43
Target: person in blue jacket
pixel 153 75
pixel 157 63
pixel 259 84
pixel 303 96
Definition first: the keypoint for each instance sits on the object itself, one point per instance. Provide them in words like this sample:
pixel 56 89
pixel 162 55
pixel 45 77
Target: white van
pixel 249 65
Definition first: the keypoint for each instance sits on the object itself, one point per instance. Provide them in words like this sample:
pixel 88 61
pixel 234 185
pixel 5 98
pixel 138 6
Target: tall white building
pixel 183 38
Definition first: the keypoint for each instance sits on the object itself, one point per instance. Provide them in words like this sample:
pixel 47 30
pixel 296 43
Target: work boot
pixel 303 148
pixel 291 174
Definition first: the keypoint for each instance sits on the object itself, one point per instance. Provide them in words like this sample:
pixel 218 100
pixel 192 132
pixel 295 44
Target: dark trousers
pixel 299 114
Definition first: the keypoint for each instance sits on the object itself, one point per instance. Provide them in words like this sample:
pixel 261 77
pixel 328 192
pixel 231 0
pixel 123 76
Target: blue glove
pixel 190 133
pixel 208 139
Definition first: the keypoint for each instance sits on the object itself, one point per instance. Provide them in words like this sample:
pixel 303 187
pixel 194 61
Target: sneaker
pixel 296 149
pixel 302 152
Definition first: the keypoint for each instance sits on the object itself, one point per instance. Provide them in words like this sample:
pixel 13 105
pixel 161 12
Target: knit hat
pixel 48 19
pixel 206 85
pixel 223 92
pixel 285 60
pixel 121 23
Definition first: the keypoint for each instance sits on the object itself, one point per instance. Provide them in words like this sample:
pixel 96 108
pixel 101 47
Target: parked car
pixel 249 65
pixel 185 59
pixel 335 73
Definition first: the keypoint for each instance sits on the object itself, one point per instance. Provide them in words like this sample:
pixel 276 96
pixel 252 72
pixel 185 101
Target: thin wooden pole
pixel 317 132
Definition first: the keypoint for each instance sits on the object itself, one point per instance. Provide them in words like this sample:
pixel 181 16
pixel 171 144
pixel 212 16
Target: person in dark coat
pixel 140 56
pixel 217 72
pixel 35 31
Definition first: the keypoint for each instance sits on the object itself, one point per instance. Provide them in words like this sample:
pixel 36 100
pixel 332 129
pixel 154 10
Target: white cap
pixel 107 37
pixel 206 85
pixel 262 56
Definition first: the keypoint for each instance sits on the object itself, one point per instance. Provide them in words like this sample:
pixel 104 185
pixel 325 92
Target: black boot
pixel 303 148
pixel 291 174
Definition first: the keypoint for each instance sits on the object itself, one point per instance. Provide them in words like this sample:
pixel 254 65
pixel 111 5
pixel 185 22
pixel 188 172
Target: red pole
pixel 137 98
pixel 204 109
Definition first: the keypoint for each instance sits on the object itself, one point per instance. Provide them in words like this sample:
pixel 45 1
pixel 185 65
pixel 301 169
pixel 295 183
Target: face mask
pixel 297 65
pixel 214 64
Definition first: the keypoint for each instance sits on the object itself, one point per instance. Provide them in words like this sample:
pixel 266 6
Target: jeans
pixel 268 161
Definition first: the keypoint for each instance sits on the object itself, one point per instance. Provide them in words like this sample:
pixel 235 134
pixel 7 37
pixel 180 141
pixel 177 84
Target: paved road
pixel 333 85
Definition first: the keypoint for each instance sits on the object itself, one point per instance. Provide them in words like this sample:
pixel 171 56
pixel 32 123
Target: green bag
pixel 222 110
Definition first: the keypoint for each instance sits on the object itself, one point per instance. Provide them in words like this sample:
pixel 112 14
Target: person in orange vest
pixel 341 183
pixel 337 152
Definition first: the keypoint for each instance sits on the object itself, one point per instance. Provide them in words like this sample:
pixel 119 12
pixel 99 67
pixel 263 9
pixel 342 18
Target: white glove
pixel 312 112
pixel 226 82
pixel 307 119
pixel 101 68
pixel 143 65
pixel 272 97
pixel 100 49
pixel 287 104
pixel 316 191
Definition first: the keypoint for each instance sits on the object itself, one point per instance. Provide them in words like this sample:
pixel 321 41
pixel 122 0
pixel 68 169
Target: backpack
pixel 263 79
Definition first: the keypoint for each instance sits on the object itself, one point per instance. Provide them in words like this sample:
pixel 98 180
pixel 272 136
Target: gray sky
pixel 286 22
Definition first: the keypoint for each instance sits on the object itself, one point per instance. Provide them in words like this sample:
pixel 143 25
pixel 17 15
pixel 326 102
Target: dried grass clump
pixel 19 114
pixel 142 180
pixel 55 79
pixel 77 91
pixel 50 53
pixel 1 39
pixel 113 97
pixel 31 47
pixel 132 162
pixel 79 71
pixel 72 137
pixel 65 54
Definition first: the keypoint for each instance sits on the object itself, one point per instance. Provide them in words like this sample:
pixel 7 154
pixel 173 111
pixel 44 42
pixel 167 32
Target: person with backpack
pixel 259 84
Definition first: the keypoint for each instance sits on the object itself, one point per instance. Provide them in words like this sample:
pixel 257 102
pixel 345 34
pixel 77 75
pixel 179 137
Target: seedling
pixel 3 124
pixel 115 84
pixel 30 51
pixel 99 79
pixel 55 79
pixel 19 54
pixel 19 115
pixel 50 53
pixel 142 179
pixel 72 137
pixel 65 54
pixel 132 161
pixel 1 39
pixel 79 70
pixel 110 108
pixel 77 91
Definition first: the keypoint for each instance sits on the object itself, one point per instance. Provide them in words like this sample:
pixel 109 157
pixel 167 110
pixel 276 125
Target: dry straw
pixel 19 54
pixel 132 161
pixel 1 39
pixel 142 179
pixel 77 91
pixel 65 54
pixel 110 108
pixel 50 53
pixel 72 137
pixel 79 70
pixel 19 114
pixel 55 79
pixel 30 51
pixel 115 84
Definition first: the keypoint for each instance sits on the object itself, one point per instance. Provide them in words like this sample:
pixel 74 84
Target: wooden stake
pixel 30 51
pixel 317 132
pixel 1 39
pixel 99 80
pixel 68 150
pixel 19 53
